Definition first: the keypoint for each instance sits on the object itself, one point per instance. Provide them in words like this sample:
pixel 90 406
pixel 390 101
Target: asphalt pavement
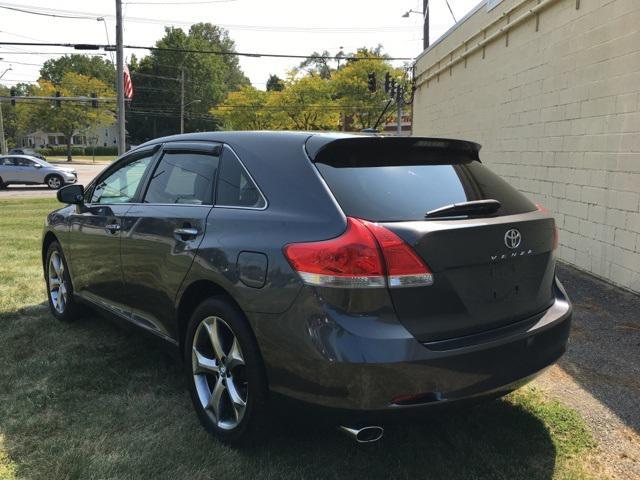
pixel 599 375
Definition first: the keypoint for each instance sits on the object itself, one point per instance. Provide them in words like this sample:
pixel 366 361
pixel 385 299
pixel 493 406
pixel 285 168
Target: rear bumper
pixel 371 366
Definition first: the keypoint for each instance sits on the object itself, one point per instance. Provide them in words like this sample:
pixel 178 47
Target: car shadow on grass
pixel 90 399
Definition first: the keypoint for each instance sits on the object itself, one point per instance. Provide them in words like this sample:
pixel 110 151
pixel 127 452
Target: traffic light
pixel 372 82
pixel 387 82
pixel 392 88
pixel 13 95
pixel 94 100
pixel 58 102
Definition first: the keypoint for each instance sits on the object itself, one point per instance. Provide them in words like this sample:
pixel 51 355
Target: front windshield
pixel 40 161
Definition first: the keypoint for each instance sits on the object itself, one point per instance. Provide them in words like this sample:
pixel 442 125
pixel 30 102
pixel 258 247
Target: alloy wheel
pixel 57 287
pixel 219 373
pixel 54 182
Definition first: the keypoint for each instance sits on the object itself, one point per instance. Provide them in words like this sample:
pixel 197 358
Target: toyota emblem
pixel 512 238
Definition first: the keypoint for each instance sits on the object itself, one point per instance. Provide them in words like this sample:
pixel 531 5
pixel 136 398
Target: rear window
pixel 397 192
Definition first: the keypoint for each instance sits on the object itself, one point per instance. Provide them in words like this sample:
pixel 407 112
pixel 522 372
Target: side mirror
pixel 73 194
pixel 37 165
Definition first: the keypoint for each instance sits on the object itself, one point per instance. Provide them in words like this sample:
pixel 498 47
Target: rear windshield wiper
pixel 474 207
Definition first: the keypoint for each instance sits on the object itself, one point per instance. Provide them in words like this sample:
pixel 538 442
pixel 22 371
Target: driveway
pixel 86 173
pixel 600 374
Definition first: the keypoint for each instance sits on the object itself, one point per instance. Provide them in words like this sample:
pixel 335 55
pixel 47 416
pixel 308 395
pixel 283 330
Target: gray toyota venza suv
pixel 370 278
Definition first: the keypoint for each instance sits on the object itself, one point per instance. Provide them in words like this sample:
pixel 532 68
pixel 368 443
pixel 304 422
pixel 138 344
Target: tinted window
pixel 24 162
pixel 6 161
pixel 120 186
pixel 183 178
pixel 235 187
pixel 407 192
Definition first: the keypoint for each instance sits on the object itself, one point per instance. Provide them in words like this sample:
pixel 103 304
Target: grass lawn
pixel 90 400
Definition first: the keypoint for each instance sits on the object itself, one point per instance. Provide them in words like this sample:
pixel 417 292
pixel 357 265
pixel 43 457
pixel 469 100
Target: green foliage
pixel 246 109
pixel 57 151
pixel 54 69
pixel 9 117
pixel 314 96
pixel 352 92
pixel 306 103
pixel 275 84
pixel 209 78
pixel 71 117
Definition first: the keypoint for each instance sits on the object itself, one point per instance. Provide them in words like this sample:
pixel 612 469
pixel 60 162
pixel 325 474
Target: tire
pixel 220 371
pixel 54 182
pixel 61 303
pixel 2 184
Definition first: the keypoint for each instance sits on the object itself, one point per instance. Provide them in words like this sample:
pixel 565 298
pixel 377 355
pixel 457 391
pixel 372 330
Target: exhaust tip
pixel 368 434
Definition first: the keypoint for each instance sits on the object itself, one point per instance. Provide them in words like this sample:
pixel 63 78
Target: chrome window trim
pixel 239 207
pixel 109 169
pixel 199 148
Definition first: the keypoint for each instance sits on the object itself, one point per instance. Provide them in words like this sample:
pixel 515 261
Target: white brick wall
pixel 557 111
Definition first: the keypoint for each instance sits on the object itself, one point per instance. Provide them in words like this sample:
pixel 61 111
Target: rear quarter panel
pixel 299 208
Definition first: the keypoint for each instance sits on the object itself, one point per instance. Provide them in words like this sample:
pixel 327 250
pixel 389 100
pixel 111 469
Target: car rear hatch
pixel 491 266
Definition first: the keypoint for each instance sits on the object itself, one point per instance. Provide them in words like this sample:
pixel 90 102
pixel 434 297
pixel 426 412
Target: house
pixel 104 136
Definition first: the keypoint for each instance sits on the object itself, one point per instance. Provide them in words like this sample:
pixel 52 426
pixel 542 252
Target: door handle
pixel 113 227
pixel 185 232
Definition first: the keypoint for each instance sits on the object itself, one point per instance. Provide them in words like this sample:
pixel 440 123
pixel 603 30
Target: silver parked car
pixel 28 170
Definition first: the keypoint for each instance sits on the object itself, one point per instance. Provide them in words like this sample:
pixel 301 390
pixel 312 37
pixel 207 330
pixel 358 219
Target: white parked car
pixel 28 170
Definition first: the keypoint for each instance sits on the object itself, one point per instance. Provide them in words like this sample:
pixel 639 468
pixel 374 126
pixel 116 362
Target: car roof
pixel 20 155
pixel 313 141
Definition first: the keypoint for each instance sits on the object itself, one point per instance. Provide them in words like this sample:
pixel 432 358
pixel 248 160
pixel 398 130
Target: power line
pixel 94 46
pixel 22 63
pixel 53 53
pixel 451 11
pixel 264 28
pixel 178 3
pixel 74 17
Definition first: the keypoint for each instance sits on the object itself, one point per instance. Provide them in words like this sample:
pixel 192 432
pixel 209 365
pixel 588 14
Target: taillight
pixel 366 255
pixel 554 244
pixel 403 267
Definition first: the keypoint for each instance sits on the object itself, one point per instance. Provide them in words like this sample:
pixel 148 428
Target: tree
pixel 318 64
pixel 54 69
pixel 352 92
pixel 9 112
pixel 306 103
pixel 274 84
pixel 70 118
pixel 247 109
pixel 155 109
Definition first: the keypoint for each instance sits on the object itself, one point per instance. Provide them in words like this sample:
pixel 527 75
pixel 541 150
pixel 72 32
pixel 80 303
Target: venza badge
pixel 512 238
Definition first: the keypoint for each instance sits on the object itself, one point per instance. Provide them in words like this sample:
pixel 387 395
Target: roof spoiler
pixel 355 151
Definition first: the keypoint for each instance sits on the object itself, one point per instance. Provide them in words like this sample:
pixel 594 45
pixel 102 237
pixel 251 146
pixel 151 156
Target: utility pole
pixel 399 101
pixel 425 28
pixel 182 99
pixel 3 144
pixel 120 79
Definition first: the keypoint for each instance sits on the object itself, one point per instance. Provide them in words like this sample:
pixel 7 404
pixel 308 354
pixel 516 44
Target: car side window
pixel 24 162
pixel 235 186
pixel 121 186
pixel 183 177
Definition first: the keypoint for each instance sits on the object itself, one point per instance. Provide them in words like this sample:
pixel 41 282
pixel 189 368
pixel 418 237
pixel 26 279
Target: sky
pixel 275 26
